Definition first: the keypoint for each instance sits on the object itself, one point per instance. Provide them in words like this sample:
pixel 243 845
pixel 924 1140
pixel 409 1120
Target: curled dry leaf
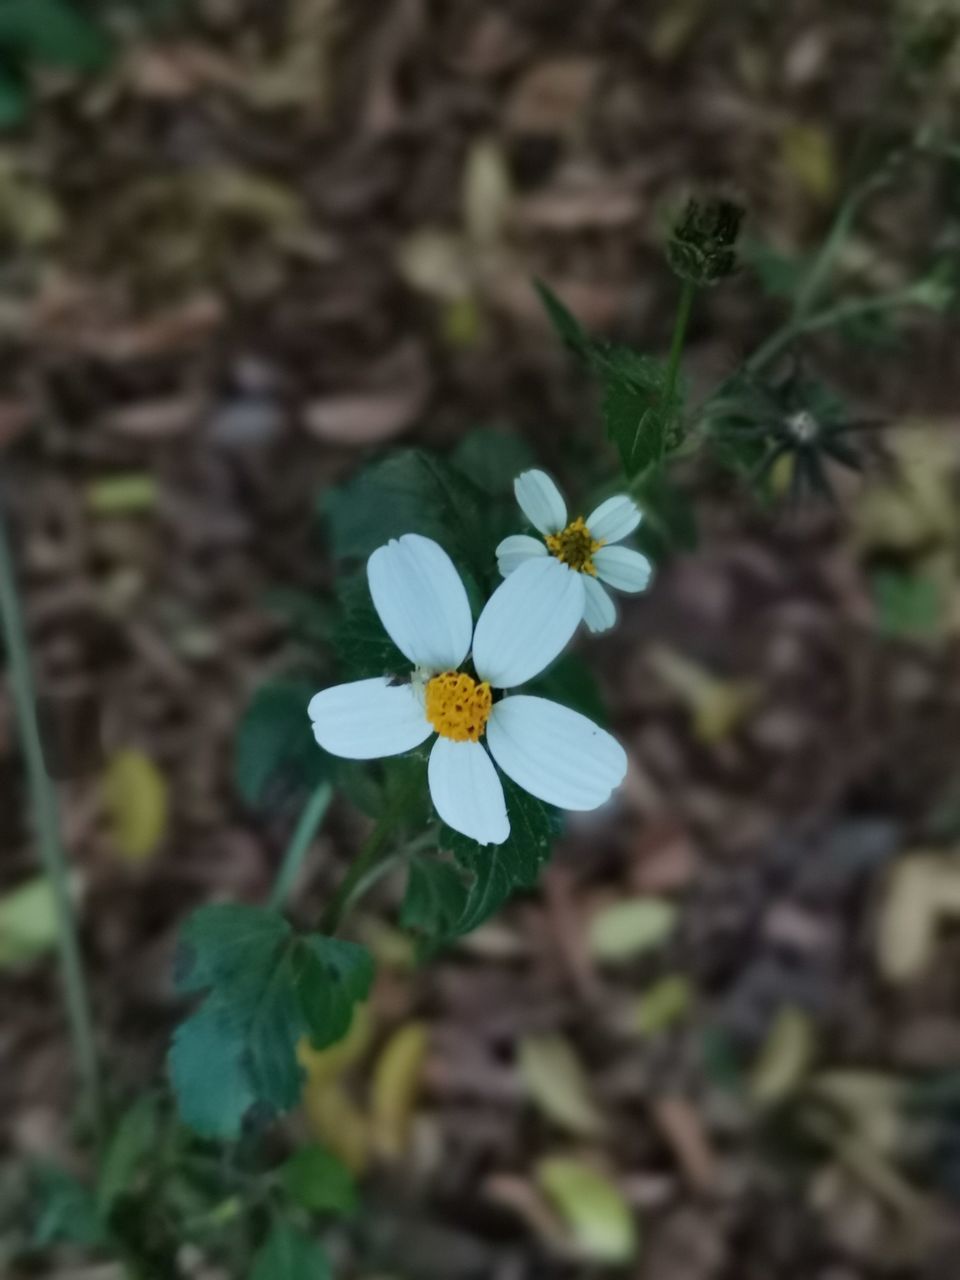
pixel 593 1207
pixel 627 929
pixel 923 891
pixel 552 98
pixel 394 1088
pixel 487 192
pixel 785 1058
pixel 378 413
pixel 136 799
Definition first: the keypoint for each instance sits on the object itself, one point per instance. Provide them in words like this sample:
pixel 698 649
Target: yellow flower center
pixel 574 546
pixel 458 706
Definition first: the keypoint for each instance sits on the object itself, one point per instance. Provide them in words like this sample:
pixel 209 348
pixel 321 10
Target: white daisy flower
pixel 584 546
pixel 554 753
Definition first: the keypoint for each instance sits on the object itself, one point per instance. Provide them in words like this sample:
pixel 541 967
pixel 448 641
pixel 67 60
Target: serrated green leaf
pixel 130 1147
pixel 268 988
pixel 638 422
pixel 317 1180
pixel 276 757
pixel 67 1210
pixel 54 32
pixel 497 870
pixel 435 898
pixel 492 459
pixel 411 491
pixel 288 1254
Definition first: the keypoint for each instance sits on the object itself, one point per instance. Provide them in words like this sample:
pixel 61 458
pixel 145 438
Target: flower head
pixel 554 753
pixel 585 546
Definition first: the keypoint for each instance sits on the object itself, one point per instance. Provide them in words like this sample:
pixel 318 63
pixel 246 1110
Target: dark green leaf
pixel 276 757
pixel 436 897
pixel 288 1254
pixel 317 1180
pixel 637 417
pixel 268 987
pixel 498 870
pixel 410 491
pixel 128 1152
pixel 571 682
pixel 363 647
pixel 780 275
pixel 492 459
pixel 308 617
pixel 14 98
pixel 567 326
pixel 67 1210
pixel 909 604
pixel 54 32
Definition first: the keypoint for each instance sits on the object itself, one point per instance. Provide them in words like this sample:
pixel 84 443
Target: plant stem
pixel 825 320
pixel 314 812
pixel 49 845
pixel 357 875
pixel 684 307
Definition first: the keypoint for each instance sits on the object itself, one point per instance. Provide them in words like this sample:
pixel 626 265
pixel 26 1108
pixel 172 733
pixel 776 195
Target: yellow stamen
pixel 458 706
pixel 574 546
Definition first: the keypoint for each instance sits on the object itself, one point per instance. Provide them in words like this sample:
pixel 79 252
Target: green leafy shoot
pixel 268 987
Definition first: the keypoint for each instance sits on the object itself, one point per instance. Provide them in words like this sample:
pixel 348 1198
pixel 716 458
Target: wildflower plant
pixel 445 692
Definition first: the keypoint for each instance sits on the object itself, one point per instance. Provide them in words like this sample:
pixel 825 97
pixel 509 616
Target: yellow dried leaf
pixel 592 1206
pixel 808 155
pixel 136 799
pixel 922 890
pixel 557 1083
pixel 784 1059
pixel 336 1122
pixel 628 929
pixel 327 1064
pixel 661 1005
pixel 394 1088
pixel 718 707
pixel 487 192
pixel 28 923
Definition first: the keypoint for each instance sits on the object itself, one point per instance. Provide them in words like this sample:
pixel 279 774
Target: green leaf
pixel 128 1152
pixel 288 1254
pixel 67 1210
pixel 435 898
pixel 276 758
pixel 492 459
pixel 592 1206
pixel 363 647
pixel 411 491
pixel 629 928
pixel 570 681
pixel 54 32
pixel 909 605
pixel 567 326
pixel 498 870
pixel 14 98
pixel 636 415
pixel 317 1180
pixel 268 988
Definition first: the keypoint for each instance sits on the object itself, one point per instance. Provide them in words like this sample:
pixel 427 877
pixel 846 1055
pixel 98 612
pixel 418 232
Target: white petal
pixel 515 550
pixel 421 601
pixel 599 612
pixel 622 568
pixel 466 792
pixel 541 501
pixel 368 719
pixel 554 753
pixel 614 519
pixel 527 621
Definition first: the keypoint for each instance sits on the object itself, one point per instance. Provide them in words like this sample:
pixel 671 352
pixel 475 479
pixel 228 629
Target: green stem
pixel 314 812
pixel 367 859
pixel 684 308
pixel 52 856
pixel 827 319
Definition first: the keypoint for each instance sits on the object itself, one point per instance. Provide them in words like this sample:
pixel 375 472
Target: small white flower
pixel 554 753
pixel 584 546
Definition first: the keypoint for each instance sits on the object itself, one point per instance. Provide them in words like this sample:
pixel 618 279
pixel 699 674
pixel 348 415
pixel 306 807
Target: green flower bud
pixel 702 248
